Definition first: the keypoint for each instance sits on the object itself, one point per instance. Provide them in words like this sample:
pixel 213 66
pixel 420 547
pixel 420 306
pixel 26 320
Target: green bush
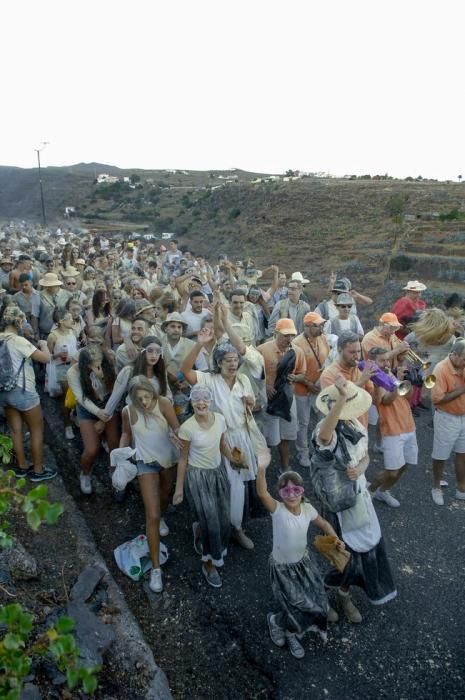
pixel 234 213
pixel 452 215
pixel 400 263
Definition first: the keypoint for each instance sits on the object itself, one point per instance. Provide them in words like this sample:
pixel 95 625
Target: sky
pixel 345 87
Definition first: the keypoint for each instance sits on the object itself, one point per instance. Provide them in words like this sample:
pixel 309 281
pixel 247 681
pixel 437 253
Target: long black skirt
pixel 300 592
pixel 207 494
pixel 370 570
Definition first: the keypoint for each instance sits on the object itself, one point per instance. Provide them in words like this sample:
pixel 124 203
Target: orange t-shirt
pixel 448 379
pixel 394 418
pixel 374 339
pixel 313 369
pixel 353 374
pixel 272 355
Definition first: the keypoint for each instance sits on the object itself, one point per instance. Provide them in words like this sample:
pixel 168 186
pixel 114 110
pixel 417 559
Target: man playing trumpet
pixel 397 428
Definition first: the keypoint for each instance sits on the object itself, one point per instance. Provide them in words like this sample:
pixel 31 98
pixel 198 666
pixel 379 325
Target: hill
pixel 379 232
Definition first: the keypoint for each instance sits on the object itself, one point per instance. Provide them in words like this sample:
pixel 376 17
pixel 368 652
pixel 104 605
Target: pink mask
pixel 288 492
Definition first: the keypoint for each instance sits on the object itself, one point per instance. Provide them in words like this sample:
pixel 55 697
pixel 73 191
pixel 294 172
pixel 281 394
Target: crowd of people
pixel 206 369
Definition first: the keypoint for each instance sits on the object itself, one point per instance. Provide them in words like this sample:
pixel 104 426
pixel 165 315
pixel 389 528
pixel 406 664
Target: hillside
pixel 379 232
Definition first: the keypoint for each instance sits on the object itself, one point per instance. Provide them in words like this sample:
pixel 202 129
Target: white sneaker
pixel 386 497
pixel 460 495
pixel 85 483
pixel 304 459
pixel 438 498
pixel 69 434
pixel 164 529
pixel 156 583
pixel 443 483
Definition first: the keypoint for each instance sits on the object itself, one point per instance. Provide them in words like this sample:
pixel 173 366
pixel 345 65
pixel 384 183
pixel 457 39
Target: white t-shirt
pixel 204 449
pixel 290 532
pixel 228 401
pixel 194 321
pixel 20 349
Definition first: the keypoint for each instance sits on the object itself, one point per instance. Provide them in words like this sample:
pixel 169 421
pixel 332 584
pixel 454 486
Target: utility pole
pixel 42 201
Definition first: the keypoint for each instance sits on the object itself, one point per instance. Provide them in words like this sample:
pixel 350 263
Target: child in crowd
pixel 296 582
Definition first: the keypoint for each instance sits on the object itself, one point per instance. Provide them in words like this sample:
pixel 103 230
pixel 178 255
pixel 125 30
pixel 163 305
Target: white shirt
pixel 290 532
pixel 194 321
pixel 204 449
pixel 227 401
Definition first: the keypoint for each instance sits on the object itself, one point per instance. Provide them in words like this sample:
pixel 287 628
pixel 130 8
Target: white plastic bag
pixel 133 557
pixel 52 386
pixel 125 470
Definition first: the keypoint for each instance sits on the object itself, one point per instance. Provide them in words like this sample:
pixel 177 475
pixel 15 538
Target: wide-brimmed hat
pixel 357 403
pixel 286 326
pixel 80 261
pixel 70 272
pixel 6 261
pixel 175 317
pixel 298 277
pixel 390 319
pixel 415 286
pixel 50 279
pixel 341 286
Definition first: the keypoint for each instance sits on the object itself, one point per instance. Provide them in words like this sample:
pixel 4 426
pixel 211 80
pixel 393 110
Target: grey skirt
pixel 300 592
pixel 207 494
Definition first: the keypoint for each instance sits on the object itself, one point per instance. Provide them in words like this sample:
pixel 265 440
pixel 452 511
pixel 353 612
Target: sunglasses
pixel 291 491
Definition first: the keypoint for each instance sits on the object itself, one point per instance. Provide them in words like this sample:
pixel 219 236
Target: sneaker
pixel 295 647
pixel 85 483
pixel 460 495
pixel 443 483
pixel 164 529
pixel 69 433
pixel 45 475
pixel 348 608
pixel 438 498
pixel 304 459
pixel 212 577
pixel 21 473
pixel 197 543
pixel 156 583
pixel 277 634
pixel 386 497
pixel 241 538
pixel 332 615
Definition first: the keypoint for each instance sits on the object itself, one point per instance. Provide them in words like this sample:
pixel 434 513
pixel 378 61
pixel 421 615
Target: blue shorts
pixel 150 468
pixel 19 399
pixel 83 414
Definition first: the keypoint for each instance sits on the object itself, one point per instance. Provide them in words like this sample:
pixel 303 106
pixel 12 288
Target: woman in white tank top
pixel 150 425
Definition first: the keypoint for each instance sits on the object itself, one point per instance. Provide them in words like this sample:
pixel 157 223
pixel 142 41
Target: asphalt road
pixel 214 643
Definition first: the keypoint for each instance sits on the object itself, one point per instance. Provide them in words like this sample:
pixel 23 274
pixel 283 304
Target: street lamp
pixel 38 150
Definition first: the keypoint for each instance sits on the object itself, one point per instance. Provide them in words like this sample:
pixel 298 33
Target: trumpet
pixel 387 380
pixel 416 359
pixel 429 381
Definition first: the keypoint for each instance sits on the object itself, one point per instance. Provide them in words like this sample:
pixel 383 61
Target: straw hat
pixel 50 279
pixel 70 272
pixel 80 261
pixel 357 403
pixel 298 277
pixel 415 286
pixel 175 317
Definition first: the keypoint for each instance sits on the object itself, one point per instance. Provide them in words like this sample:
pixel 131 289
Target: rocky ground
pixel 214 643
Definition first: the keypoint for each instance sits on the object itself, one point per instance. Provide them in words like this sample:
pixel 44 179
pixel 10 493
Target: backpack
pixel 332 486
pixel 8 380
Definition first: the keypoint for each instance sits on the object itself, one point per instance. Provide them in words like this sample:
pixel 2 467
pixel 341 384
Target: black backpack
pixel 7 378
pixel 332 486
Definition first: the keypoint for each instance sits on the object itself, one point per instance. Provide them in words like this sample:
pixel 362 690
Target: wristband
pixel 180 376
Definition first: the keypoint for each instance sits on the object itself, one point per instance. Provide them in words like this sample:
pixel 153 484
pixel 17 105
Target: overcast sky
pixel 348 86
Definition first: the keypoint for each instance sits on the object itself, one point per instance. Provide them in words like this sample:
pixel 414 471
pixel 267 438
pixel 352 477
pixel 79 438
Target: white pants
pixel 304 405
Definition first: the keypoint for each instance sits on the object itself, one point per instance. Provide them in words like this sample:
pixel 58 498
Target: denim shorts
pixel 19 399
pixel 150 468
pixel 83 414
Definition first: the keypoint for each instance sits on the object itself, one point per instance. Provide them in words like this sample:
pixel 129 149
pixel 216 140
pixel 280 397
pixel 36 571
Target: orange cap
pixel 286 326
pixel 390 319
pixel 313 317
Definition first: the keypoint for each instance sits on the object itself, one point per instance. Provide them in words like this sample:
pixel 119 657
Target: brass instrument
pixel 416 359
pixel 429 381
pixel 403 387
